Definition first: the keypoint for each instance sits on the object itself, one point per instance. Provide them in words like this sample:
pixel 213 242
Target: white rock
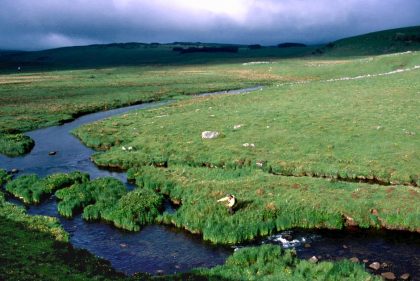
pixel 209 134
pixel 237 126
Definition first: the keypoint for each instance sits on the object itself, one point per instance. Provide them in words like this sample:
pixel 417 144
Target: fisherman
pixel 231 203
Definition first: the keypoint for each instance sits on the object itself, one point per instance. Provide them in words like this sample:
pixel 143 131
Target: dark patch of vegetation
pixel 30 254
pixel 17 214
pixel 376 43
pixel 254 46
pixel 224 49
pixel 408 38
pixel 15 144
pixel 290 45
pixel 4 177
pixel 31 189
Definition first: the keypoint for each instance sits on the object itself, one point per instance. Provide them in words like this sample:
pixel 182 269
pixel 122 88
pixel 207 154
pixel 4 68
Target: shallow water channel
pixel 164 249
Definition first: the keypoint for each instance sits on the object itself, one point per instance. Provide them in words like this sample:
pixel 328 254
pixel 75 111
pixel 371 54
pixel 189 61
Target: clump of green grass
pixel 269 262
pixel 91 197
pixel 135 209
pixel 4 177
pixel 31 189
pixel 108 199
pixel 15 144
pixel 269 203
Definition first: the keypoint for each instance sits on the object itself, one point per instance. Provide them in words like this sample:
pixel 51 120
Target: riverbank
pixel 30 101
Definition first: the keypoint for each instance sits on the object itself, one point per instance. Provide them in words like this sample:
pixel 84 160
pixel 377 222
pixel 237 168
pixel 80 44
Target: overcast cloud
pixel 41 24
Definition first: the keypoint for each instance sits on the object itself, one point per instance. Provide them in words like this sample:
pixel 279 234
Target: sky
pixel 43 24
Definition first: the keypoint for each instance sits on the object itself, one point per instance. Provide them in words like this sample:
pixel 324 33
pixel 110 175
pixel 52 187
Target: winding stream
pixel 163 249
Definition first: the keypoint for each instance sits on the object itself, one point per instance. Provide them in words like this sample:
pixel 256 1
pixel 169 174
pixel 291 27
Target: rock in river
pixel 375 265
pixel 388 276
pixel 405 276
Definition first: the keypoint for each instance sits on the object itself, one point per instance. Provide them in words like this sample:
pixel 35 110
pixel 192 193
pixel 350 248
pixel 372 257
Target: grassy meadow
pixel 331 140
pixel 364 128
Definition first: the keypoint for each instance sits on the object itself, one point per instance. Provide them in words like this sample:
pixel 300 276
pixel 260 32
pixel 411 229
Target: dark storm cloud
pixel 53 23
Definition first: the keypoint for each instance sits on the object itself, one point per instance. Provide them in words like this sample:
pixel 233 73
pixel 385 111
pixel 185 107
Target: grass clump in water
pixel 92 196
pixel 31 189
pixel 108 199
pixel 15 144
pixel 135 209
pixel 269 262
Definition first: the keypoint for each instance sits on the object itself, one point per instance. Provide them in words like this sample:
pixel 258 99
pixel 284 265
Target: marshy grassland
pixel 331 140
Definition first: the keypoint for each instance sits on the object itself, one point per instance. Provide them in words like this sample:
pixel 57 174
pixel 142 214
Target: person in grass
pixel 231 203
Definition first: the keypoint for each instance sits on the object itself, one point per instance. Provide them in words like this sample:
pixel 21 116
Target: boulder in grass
pixel 209 134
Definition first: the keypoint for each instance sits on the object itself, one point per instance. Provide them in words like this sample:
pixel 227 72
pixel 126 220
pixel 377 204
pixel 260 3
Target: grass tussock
pixel 91 197
pixel 108 199
pixel 269 203
pixel 269 262
pixel 31 189
pixel 15 144
pixel 4 177
pixel 135 209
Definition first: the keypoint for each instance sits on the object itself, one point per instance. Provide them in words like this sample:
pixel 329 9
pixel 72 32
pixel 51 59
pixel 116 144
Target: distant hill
pixel 375 43
pixel 137 54
pixel 181 53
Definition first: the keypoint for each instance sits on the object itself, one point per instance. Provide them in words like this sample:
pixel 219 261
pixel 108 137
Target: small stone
pixel 209 134
pixel 388 276
pixel 375 265
pixel 405 276
pixel 260 163
pixel 14 171
pixel 365 260
pixel 313 259
pixel 384 265
pixel 288 237
pixel 354 259
pixel 307 245
pixel 235 127
pixel 51 153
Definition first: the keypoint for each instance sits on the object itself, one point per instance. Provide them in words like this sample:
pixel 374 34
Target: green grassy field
pixel 292 153
pixel 351 129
